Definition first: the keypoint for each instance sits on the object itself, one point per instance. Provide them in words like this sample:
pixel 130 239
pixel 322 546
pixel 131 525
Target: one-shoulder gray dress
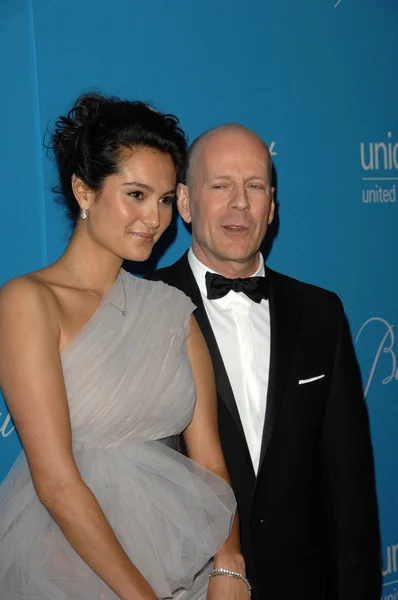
pixel 130 392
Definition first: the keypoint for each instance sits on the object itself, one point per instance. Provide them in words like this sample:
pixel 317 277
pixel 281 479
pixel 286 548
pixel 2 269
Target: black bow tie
pixel 256 288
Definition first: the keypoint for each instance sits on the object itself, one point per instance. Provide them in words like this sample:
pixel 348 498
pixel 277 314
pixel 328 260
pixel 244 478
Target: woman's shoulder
pixel 159 298
pixel 30 292
pixel 159 291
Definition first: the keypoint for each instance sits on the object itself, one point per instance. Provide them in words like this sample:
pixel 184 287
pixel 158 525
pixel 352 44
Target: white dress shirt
pixel 242 330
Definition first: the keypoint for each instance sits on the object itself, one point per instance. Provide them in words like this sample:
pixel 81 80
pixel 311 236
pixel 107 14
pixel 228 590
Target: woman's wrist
pixel 231 574
pixel 233 561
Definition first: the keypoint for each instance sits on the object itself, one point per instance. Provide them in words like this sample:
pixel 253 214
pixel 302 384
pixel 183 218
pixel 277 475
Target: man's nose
pixel 240 200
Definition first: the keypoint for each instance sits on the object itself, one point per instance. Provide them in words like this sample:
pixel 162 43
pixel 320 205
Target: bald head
pixel 228 199
pixel 218 137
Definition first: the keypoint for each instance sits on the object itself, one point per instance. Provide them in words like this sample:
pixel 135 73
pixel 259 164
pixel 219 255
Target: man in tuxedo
pixel 292 419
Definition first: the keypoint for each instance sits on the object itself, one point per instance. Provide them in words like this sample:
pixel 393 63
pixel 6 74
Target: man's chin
pixel 239 255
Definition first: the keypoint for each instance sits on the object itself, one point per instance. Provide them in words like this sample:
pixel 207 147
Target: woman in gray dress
pixel 101 372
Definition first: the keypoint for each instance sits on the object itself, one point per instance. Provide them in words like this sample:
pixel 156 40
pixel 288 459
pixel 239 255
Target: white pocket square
pixel 311 379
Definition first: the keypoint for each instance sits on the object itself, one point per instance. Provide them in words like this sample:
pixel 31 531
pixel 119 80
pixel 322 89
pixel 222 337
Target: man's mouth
pixel 235 228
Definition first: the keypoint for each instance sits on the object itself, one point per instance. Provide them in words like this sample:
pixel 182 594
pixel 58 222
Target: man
pixel 292 420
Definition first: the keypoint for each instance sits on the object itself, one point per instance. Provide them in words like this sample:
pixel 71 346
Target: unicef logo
pixel 390 570
pixel 272 149
pixel 379 163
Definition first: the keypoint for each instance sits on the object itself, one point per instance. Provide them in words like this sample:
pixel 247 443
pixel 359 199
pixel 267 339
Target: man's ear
pixel 272 207
pixel 84 195
pixel 183 202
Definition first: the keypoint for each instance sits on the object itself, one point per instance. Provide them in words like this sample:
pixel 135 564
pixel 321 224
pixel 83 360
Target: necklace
pixel 123 311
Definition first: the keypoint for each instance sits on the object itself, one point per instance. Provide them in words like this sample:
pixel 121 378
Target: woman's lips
pixel 143 237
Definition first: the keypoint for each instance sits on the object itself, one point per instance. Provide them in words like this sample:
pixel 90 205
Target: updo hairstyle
pixel 91 140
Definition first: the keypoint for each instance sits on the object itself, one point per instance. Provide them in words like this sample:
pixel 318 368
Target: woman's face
pixel 134 206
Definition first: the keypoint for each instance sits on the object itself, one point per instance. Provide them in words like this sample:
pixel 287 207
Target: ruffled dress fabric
pixel 130 392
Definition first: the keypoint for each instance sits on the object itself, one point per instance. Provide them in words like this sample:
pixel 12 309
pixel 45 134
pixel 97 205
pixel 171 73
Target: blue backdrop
pixel 316 79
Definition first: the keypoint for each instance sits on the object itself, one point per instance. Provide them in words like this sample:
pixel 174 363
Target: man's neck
pixel 229 268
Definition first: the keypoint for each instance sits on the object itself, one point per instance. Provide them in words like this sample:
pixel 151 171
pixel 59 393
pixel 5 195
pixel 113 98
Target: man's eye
pixel 136 194
pixel 256 186
pixel 218 186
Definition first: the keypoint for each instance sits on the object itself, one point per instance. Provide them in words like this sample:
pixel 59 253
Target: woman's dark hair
pixel 90 141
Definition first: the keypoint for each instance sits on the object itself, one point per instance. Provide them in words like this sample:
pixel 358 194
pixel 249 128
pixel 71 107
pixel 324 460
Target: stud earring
pixel 83 214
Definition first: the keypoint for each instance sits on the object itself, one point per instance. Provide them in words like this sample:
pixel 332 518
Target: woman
pixel 99 371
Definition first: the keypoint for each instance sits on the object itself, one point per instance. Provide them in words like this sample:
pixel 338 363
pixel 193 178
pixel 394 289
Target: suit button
pixel 259 522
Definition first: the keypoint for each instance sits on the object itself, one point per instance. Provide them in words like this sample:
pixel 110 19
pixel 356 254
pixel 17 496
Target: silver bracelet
pixel 234 574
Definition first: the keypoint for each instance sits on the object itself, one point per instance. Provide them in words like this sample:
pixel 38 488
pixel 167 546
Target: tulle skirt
pixel 169 514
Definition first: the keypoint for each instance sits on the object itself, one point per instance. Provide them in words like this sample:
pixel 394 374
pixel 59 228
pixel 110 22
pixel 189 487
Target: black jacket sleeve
pixel 348 477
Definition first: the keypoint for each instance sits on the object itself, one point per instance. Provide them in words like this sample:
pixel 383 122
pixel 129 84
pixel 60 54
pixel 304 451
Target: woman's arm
pixel 32 382
pixel 203 446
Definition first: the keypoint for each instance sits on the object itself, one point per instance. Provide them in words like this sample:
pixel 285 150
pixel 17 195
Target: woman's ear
pixel 84 195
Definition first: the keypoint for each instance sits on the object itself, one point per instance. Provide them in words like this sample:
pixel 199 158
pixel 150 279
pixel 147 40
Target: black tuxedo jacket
pixel 309 525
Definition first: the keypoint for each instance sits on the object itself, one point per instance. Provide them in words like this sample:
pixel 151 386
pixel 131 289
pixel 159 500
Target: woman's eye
pixel 167 200
pixel 136 194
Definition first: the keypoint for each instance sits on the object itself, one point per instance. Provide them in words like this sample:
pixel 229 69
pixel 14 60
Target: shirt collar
pixel 199 270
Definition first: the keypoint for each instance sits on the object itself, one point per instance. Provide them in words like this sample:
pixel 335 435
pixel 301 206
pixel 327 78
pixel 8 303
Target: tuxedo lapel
pixel 284 316
pixel 186 282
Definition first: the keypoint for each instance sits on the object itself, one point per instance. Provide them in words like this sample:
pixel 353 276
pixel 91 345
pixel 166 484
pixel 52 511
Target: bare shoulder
pixel 28 296
pixel 25 290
